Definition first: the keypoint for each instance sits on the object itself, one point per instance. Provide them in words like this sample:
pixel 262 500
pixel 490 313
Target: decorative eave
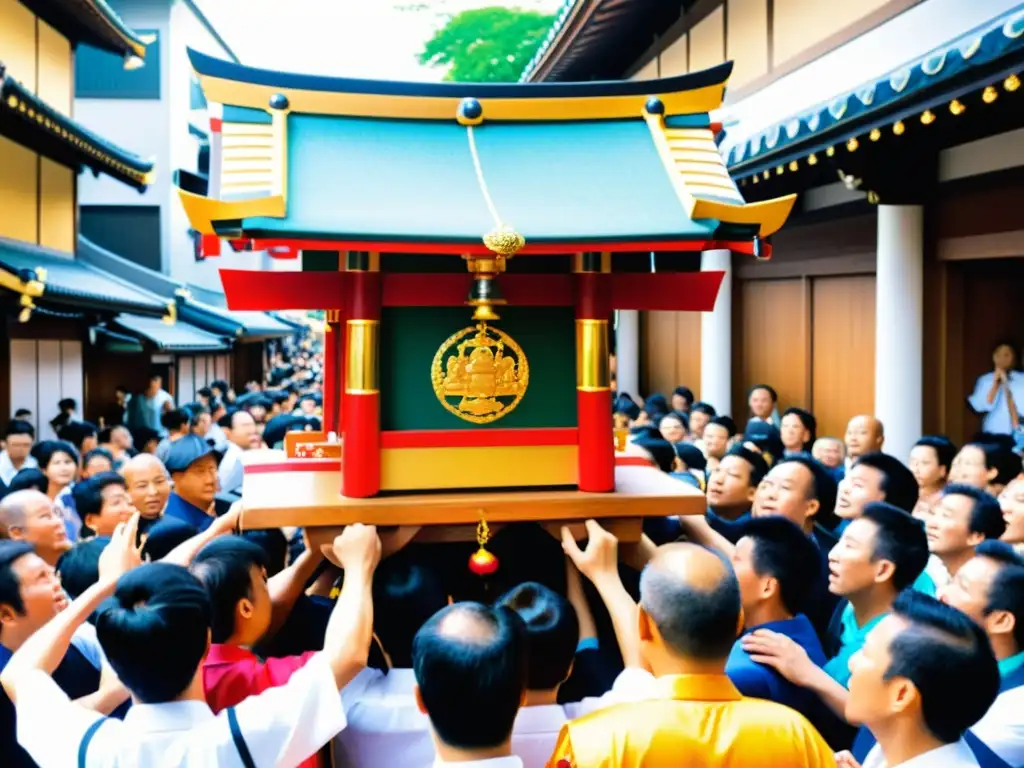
pixel 92 22
pixel 983 61
pixel 227 83
pixel 28 120
pixel 599 38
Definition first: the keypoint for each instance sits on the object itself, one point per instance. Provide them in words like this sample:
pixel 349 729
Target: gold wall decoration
pixel 485 369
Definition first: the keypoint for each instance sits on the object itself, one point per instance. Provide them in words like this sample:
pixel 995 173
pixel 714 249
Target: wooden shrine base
pixel 312 499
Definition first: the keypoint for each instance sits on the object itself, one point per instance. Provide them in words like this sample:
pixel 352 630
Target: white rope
pixel 480 177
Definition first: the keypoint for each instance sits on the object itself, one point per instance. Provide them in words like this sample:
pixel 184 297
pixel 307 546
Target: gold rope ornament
pixel 482 562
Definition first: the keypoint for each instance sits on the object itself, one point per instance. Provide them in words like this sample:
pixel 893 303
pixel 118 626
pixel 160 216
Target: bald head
pixel 148 484
pixel 864 434
pixel 17 507
pixel 692 596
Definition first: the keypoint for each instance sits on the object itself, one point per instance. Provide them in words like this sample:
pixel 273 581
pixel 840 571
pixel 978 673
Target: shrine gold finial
pixel 485 368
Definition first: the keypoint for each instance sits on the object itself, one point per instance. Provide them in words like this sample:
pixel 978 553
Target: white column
pixel 899 298
pixel 627 352
pixel 716 337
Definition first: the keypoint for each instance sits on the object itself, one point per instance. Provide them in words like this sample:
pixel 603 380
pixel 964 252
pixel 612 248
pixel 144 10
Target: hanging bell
pixel 482 562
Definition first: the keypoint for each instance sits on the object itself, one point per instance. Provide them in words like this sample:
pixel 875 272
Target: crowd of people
pixel 835 605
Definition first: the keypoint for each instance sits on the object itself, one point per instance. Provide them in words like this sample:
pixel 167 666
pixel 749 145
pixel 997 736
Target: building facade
pixel 898 122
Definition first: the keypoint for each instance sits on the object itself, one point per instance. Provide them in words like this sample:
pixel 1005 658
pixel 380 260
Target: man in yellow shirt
pixel 688 619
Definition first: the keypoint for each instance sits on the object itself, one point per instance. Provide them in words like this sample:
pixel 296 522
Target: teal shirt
pixel 1008 666
pixel 851 640
pixel 925 584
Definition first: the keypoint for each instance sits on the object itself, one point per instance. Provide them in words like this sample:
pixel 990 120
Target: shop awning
pixel 70 285
pixel 179 337
pixel 987 54
pixel 195 306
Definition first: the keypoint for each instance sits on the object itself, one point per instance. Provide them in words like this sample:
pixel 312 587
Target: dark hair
pixel 405 595
pixel 661 451
pixel 944 449
pixel 219 384
pixel 686 393
pixel 67 404
pixel 552 633
pixel 19 427
pixel 156 373
pixel 154 630
pixel 29 477
pixel 22 412
pixel 77 432
pixel 691 456
pixel 101 452
pixel 1006 592
pixel 174 419
pixel 142 435
pixel 693 622
pixel 724 421
pixel 472 686
pixel 898 482
pixel 10 587
pixel 758 466
pixel 823 486
pixel 809 422
pixel 766 388
pixel 679 415
pixel 79 567
pixel 88 495
pixel 784 552
pixel 705 408
pixel 986 515
pixel 204 392
pixel 1000 457
pixel 656 405
pixel 948 659
pixel 45 451
pixel 195 412
pixel 166 534
pixel 900 538
pixel 625 404
pixel 224 567
pixel 648 431
pixel 105 435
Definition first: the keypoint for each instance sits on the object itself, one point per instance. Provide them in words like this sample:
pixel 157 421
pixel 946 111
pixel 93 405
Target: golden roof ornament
pixel 504 240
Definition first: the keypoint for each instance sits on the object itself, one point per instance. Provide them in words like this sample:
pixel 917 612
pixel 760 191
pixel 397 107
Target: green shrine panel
pixel 410 337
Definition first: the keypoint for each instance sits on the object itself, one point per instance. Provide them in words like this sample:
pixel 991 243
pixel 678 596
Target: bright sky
pixel 377 39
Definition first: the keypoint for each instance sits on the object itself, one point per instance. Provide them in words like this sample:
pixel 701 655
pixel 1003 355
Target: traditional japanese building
pixel 78 321
pixel 468 305
pixel 898 123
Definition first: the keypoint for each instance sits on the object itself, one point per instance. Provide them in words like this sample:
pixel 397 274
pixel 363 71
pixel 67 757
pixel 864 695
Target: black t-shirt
pixel 75 675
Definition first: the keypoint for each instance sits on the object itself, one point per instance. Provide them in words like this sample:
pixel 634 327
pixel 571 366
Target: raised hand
pixel 358 547
pixel 601 557
pixel 846 760
pixel 122 553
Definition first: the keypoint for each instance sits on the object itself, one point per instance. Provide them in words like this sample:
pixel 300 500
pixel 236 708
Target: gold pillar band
pixel 333 315
pixel 592 362
pixel 361 357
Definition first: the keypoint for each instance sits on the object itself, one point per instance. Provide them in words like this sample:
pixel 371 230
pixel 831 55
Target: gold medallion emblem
pixel 485 369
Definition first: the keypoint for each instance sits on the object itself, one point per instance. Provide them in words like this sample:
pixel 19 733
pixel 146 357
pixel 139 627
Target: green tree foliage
pixel 487 45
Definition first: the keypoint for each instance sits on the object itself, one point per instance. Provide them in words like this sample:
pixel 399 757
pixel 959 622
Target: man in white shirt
pixel 240 428
pixel 19 436
pixel 470 664
pixel 990 589
pixel 924 676
pixel 161 611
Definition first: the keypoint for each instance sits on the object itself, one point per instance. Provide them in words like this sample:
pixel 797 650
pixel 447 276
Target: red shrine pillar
pixel 334 356
pixel 360 403
pixel 593 374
